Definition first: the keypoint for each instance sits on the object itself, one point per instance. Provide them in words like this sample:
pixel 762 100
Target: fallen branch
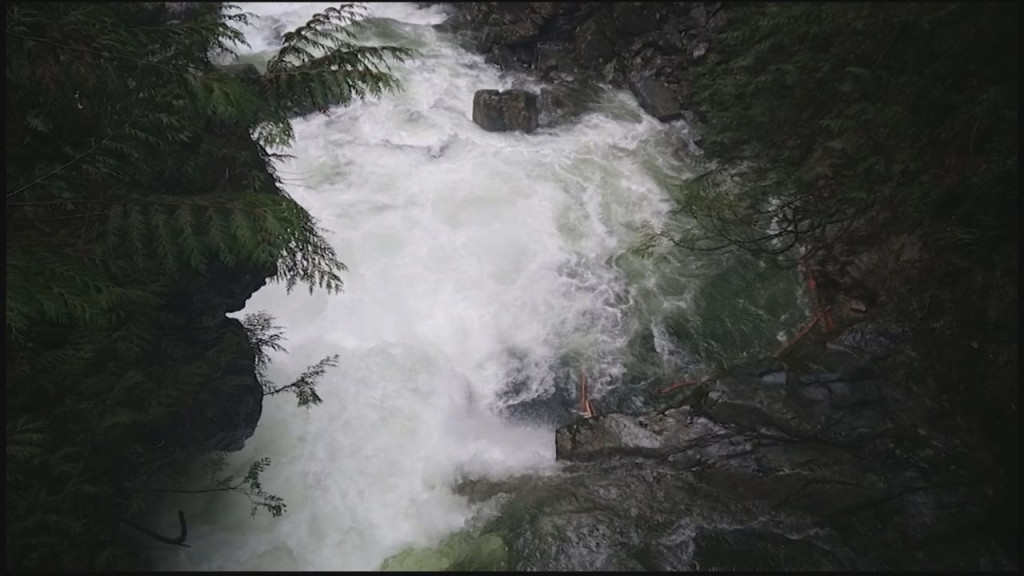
pixel 679 384
pixel 179 541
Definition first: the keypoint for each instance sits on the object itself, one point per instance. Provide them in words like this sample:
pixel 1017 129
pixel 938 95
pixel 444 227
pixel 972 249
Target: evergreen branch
pixel 304 386
pixel 92 439
pixel 264 337
pixel 105 222
pixel 249 486
pixel 68 163
pixel 104 54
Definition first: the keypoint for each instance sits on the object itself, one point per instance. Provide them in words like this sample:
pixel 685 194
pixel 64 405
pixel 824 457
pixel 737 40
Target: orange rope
pixel 821 314
pixel 812 285
pixel 679 384
pixel 586 406
pixel 583 391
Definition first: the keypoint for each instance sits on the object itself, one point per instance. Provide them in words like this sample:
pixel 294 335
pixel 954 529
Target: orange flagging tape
pixel 586 406
pixel 679 384
pixel 821 314
pixel 583 391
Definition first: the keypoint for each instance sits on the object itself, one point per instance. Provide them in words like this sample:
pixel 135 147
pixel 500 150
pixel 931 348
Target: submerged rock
pixel 497 111
pixel 565 101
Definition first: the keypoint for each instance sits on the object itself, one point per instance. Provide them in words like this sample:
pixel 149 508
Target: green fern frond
pixel 319 65
pixel 137 167
pixel 264 336
pixel 74 294
pixel 304 387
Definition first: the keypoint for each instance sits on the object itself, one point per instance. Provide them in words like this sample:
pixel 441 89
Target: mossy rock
pixel 461 552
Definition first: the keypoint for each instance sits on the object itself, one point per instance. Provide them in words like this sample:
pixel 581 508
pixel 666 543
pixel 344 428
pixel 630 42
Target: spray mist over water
pixel 472 256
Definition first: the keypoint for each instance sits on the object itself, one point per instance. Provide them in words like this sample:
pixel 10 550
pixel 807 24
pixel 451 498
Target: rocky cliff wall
pixel 644 46
pixel 851 454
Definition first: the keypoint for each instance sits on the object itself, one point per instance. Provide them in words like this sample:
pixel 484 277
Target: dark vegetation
pixel 872 145
pixel 139 184
pixel 903 116
pixel 141 205
pixel 881 141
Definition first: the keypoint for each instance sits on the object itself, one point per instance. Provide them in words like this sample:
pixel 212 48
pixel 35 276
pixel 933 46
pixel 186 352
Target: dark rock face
pixel 232 401
pixel 822 467
pixel 839 458
pixel 230 415
pixel 510 110
pixel 565 101
pixel 656 99
pixel 653 42
pixel 594 44
pixel 636 18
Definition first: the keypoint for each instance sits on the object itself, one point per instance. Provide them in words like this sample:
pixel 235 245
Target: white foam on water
pixel 468 252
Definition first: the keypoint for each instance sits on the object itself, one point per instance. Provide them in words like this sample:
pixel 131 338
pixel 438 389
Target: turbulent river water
pixel 485 270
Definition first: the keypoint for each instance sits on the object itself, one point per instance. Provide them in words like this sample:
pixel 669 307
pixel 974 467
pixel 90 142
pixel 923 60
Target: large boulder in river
pixel 656 98
pixel 497 111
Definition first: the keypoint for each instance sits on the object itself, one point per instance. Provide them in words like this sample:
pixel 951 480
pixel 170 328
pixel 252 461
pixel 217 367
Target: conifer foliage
pixel 827 118
pixel 138 169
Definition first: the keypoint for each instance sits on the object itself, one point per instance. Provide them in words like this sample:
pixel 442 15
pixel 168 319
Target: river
pixel 485 270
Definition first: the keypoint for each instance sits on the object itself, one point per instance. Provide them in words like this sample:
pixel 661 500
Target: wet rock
pixel 594 43
pixel 229 411
pixel 561 27
pixel 230 416
pixel 699 14
pixel 519 33
pixel 608 72
pixel 656 99
pixel 773 466
pixel 497 111
pixel 749 549
pixel 853 306
pixel 554 103
pixel 716 21
pixel 550 58
pixel 650 435
pixel 505 58
pixel 699 50
pixel 635 18
pixel 646 515
pixel 564 101
pixel 629 517
pixel 554 410
pixel 841 411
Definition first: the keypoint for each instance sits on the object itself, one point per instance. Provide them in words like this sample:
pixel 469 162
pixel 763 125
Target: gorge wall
pixel 852 452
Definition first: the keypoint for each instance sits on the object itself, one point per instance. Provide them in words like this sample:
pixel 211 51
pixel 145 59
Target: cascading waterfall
pixel 474 258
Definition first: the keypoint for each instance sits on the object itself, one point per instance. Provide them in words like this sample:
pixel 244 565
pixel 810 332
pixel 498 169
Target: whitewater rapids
pixel 474 259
